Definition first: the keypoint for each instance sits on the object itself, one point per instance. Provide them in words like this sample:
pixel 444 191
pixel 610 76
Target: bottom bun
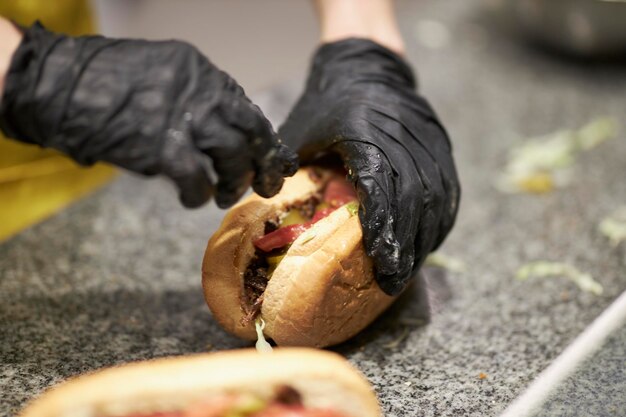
pixel 322 380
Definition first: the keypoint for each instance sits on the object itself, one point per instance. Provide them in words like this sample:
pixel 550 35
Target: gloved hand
pixel 149 107
pixel 360 103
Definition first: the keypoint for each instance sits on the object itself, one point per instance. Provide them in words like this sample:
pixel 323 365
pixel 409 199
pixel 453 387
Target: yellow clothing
pixel 72 17
pixel 34 182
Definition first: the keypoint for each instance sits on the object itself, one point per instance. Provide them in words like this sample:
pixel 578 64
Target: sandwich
pixel 295 263
pixel 290 382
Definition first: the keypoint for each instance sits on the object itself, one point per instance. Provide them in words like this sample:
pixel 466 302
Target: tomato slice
pixel 160 414
pixel 339 192
pixel 281 237
pixel 288 234
pixel 320 214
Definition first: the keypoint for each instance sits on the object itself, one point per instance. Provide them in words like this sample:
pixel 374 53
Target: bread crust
pixel 323 291
pixel 324 379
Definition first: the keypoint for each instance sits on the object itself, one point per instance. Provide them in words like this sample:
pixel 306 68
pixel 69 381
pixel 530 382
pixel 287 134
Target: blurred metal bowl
pixel 582 27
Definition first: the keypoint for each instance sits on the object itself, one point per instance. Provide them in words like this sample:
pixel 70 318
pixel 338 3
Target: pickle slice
pixel 293 217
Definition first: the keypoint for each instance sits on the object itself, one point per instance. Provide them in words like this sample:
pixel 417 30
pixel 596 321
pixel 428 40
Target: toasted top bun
pixel 323 291
pixel 324 380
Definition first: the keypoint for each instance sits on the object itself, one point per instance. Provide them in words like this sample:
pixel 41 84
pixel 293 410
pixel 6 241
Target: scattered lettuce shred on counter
pixel 543 269
pixel 539 165
pixel 262 346
pixel 614 226
pixel 449 263
pixel 404 333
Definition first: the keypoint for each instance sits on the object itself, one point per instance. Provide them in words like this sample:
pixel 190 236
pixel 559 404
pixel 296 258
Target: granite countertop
pixel 116 277
pixel 596 388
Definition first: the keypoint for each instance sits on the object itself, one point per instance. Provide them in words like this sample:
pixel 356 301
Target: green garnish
pixel 293 216
pixel 614 226
pixel 321 206
pixel 247 407
pixel 543 269
pixel 273 262
pixel 353 208
pixel 440 260
pixel 539 165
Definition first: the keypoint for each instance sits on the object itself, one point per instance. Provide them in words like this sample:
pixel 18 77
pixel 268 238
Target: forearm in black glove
pixel 149 107
pixel 360 103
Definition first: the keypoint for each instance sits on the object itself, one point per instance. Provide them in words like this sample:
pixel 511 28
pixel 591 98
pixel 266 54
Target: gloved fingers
pixel 272 160
pixel 450 208
pixel 414 256
pixel 425 141
pixel 375 191
pixel 183 164
pixel 286 159
pixel 427 235
pixel 382 146
pixel 431 136
pixel 232 162
pixel 271 168
pixel 394 284
pixel 377 223
pixel 450 185
pixel 408 198
pixel 406 224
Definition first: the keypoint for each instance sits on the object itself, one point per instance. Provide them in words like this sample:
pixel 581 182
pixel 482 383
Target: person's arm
pixel 10 40
pixel 360 103
pixel 152 107
pixel 369 19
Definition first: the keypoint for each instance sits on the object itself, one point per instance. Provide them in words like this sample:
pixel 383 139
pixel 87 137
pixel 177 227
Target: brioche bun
pixel 323 379
pixel 323 291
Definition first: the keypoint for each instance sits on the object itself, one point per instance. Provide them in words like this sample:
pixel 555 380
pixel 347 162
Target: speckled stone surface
pixel 597 388
pixel 116 277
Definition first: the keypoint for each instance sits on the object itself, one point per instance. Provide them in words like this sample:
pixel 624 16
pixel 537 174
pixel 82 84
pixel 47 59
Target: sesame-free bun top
pixel 325 380
pixel 323 291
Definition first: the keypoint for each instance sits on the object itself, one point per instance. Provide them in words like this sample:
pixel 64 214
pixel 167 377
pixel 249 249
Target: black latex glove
pixel 149 107
pixel 360 103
